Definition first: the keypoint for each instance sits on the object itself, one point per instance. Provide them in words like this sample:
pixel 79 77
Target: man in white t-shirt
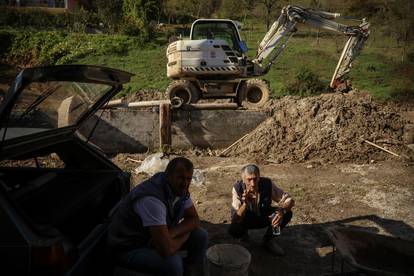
pixel 156 220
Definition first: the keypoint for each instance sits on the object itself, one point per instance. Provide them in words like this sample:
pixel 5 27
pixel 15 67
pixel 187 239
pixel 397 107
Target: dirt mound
pixel 329 127
pixel 146 95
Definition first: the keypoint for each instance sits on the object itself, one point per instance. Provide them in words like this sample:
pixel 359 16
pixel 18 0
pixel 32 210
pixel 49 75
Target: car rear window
pixel 50 105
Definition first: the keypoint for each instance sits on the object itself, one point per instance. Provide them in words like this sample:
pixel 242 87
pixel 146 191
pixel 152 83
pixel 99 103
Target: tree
pixel 138 16
pixel 175 9
pixel 316 5
pixel 233 9
pixel 401 23
pixel 270 6
pixel 109 13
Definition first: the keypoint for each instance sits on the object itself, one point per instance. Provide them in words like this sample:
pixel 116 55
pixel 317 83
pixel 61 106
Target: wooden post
pixel 165 126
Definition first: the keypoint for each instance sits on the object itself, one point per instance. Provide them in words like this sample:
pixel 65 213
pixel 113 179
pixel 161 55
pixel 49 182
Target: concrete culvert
pixel 254 93
pixel 228 259
pixel 183 89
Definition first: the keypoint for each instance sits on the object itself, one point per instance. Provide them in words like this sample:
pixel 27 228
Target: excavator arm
pixel 284 27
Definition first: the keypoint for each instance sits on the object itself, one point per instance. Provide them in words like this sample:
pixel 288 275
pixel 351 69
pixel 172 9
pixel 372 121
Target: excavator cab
pixel 223 29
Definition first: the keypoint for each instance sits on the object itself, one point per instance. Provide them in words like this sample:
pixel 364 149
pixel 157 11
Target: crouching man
pixel 155 221
pixel 251 208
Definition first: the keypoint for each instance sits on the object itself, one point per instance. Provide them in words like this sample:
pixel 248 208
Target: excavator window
pixel 217 30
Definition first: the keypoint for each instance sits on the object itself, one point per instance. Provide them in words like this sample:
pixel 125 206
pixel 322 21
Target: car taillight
pixel 51 260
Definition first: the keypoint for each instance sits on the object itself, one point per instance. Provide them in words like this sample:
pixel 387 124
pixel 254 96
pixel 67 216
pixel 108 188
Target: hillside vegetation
pixel 385 68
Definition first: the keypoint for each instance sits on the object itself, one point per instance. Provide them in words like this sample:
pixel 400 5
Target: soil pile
pixel 329 127
pixel 146 95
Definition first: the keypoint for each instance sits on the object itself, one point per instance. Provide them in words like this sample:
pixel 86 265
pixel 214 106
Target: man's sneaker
pixel 273 247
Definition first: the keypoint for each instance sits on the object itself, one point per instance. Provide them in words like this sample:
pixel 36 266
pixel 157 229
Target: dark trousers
pixel 253 221
pixel 149 261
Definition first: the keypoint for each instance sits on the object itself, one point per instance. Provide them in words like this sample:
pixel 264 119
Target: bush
pixel 39 19
pixel 34 18
pixel 402 94
pixel 115 17
pixel 56 47
pixel 109 13
pixel 133 26
pixel 306 83
pixel 81 19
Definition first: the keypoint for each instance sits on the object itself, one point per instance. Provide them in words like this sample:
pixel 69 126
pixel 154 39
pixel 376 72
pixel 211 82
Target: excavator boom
pixel 285 26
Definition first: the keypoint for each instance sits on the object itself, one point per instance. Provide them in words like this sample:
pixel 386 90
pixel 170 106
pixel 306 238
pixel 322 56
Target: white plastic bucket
pixel 228 259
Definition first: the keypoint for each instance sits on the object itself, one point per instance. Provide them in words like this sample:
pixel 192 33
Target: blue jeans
pixel 148 260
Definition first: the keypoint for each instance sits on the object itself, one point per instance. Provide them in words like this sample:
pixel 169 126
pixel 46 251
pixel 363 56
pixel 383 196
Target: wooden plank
pixel 232 145
pixel 381 148
pixel 210 106
pixel 115 103
pixel 148 103
pixel 165 126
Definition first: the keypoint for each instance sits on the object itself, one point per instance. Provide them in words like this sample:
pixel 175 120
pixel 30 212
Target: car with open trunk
pixel 57 191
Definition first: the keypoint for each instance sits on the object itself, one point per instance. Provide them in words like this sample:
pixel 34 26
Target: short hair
pixel 250 169
pixel 172 165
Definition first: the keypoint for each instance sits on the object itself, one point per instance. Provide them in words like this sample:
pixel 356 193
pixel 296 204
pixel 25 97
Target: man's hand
pixel 277 219
pixel 163 242
pixel 248 196
pixel 189 223
pixel 168 241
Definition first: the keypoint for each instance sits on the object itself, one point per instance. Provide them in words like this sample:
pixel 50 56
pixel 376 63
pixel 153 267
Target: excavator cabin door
pixel 214 29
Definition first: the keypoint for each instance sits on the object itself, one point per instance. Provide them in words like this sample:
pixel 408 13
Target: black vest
pixel 126 230
pixel 265 191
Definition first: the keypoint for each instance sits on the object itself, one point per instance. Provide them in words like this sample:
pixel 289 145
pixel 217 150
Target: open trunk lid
pixel 48 101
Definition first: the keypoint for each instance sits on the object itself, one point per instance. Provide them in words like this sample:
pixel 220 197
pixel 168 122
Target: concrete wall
pixel 134 131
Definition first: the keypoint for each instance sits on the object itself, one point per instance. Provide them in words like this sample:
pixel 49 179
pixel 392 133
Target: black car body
pixel 56 190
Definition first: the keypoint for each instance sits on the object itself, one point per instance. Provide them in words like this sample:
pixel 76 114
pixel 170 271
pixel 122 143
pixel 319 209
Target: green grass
pixel 148 65
pixel 378 69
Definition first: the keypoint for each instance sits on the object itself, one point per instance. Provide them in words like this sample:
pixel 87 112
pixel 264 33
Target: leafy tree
pixel 109 13
pixel 270 6
pixel 232 9
pixel 401 23
pixel 188 10
pixel 138 16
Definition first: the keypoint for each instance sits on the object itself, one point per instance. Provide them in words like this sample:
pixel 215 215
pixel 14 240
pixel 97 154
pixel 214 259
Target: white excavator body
pixel 192 58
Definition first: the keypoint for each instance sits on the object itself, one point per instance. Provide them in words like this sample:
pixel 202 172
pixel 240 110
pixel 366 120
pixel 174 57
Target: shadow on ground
pixel 307 246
